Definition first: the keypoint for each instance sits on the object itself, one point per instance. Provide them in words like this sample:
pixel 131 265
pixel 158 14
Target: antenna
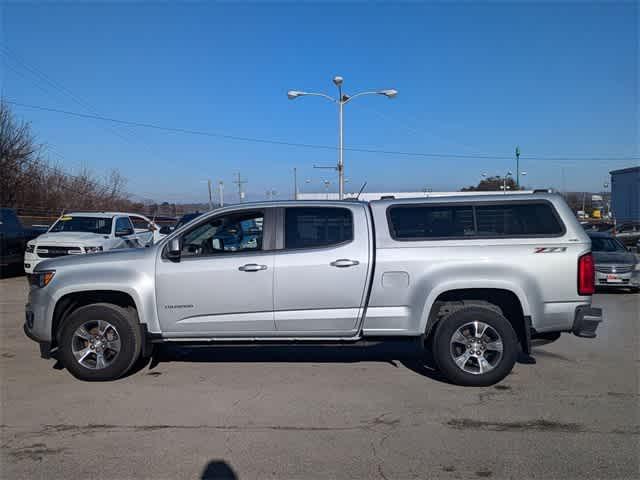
pixel 361 190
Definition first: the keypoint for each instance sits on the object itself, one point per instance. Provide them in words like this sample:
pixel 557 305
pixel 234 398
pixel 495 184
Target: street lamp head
pixel 337 80
pixel 523 173
pixel 292 94
pixel 391 93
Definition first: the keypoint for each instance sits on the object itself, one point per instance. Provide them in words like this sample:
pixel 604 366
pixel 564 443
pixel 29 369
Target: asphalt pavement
pixel 308 412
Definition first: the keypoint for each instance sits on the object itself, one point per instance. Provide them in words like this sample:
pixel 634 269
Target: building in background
pixel 625 194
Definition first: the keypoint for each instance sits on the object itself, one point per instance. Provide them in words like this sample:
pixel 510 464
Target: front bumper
pixel 45 347
pixel 620 280
pixel 586 321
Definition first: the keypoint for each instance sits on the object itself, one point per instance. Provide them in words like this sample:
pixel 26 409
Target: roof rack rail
pixel 543 190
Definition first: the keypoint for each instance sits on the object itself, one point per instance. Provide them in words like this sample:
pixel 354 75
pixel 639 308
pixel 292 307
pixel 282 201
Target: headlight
pixel 30 248
pixel 41 279
pixel 637 267
pixel 92 249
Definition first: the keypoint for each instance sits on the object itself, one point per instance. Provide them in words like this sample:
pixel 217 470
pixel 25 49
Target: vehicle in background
pixel 628 233
pixel 79 233
pixel 473 279
pixel 597 226
pixel 13 239
pixel 615 266
pixel 186 218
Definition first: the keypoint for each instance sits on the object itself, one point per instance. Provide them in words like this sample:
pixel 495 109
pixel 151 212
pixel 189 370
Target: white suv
pixel 90 232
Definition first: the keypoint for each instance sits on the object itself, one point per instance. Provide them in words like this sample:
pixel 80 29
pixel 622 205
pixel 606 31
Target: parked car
pixel 13 239
pixel 628 233
pixel 90 232
pixel 616 267
pixel 473 278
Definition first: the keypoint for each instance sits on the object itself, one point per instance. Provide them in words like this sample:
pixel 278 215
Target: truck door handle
pixel 252 267
pixel 344 262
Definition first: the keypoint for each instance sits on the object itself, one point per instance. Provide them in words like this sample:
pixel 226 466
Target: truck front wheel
pixel 475 346
pixel 99 342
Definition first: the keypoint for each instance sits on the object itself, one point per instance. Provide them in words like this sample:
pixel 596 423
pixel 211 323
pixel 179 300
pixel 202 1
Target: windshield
pixel 99 225
pixel 606 244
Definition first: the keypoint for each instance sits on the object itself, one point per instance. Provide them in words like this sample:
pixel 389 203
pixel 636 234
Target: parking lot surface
pixel 308 412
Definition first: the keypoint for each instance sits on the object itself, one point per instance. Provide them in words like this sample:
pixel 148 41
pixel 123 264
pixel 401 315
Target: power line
pixel 314 146
pixel 130 138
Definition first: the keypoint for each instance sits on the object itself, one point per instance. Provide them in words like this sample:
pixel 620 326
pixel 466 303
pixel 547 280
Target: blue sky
pixel 558 79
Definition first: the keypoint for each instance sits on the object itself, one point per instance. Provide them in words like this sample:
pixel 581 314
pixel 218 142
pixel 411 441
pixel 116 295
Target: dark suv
pixel 13 239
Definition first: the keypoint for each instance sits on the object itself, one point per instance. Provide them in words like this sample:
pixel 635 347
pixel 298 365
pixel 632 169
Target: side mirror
pixel 166 230
pixel 174 249
pixel 124 232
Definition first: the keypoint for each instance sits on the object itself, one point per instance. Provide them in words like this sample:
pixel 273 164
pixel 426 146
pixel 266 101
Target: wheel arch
pixel 509 302
pixel 70 302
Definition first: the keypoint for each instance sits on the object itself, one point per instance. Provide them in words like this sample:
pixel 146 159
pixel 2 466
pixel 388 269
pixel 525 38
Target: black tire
pixel 129 332
pixel 442 348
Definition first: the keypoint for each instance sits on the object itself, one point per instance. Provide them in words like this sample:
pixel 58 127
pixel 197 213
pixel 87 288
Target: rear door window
pixel 422 221
pixel 307 227
pixel 517 219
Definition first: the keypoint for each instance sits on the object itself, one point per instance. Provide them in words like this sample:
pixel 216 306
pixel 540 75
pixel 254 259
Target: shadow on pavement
pixel 390 353
pixel 218 470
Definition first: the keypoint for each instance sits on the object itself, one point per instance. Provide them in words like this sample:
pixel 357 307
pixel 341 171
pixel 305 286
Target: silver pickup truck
pixel 472 279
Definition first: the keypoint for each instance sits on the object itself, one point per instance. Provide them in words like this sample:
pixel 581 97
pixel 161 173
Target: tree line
pixel 30 182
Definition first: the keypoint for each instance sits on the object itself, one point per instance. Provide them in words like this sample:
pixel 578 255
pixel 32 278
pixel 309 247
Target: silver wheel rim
pixel 476 348
pixel 95 344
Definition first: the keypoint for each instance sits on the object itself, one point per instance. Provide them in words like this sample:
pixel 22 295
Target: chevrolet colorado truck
pixel 474 279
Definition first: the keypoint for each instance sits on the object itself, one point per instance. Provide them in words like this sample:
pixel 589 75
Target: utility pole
pixel 326 187
pixel 518 167
pixel 239 182
pixel 295 183
pixel 210 199
pixel 221 192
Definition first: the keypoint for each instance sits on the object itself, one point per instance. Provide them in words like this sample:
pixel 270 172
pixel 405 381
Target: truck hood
pixel 619 258
pixel 96 261
pixel 80 239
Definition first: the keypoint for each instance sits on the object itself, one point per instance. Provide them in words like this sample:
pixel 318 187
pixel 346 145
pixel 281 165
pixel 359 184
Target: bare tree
pixel 29 182
pixel 19 154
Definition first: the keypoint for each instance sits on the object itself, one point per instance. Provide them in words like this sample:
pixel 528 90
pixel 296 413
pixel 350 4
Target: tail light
pixel 586 275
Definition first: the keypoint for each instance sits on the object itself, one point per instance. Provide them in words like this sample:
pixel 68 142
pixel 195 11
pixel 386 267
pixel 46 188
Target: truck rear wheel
pixel 475 346
pixel 100 342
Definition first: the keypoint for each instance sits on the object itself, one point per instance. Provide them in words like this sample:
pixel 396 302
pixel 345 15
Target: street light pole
pixel 221 192
pixel 518 167
pixel 341 101
pixel 340 149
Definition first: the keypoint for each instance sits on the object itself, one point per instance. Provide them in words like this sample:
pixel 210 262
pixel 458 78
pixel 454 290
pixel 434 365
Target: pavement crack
pixel 541 425
pixel 96 428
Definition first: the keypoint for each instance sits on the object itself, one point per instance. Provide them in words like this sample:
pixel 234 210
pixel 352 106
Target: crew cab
pixel 474 279
pixel 78 233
